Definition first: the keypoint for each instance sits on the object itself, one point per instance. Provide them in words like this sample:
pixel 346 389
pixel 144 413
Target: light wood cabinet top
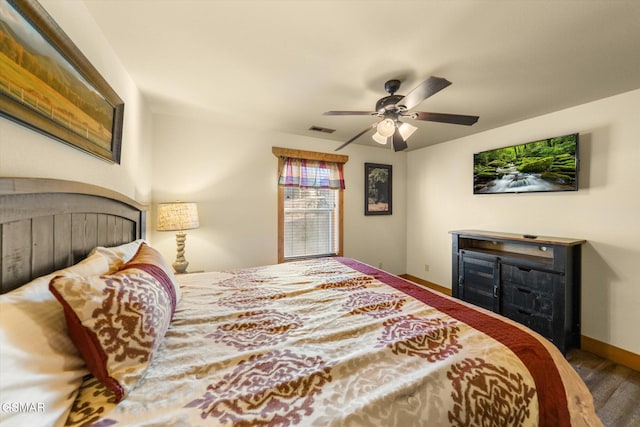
pixel 547 240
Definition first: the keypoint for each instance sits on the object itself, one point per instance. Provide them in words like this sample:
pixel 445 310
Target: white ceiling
pixel 280 64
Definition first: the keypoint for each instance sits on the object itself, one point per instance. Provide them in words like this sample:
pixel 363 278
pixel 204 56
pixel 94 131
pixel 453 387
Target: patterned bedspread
pixel 334 342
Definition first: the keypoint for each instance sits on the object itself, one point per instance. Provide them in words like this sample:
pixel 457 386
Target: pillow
pixel 118 255
pixel 117 321
pixel 38 361
pixel 150 260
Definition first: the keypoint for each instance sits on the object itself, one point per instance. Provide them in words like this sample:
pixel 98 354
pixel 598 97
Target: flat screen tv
pixel 545 165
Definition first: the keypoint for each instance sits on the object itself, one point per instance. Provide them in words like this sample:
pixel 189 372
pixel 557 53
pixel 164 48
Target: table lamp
pixel 178 216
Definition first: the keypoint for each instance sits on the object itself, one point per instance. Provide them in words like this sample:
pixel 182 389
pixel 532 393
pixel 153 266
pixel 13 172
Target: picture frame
pixel 48 85
pixel 377 189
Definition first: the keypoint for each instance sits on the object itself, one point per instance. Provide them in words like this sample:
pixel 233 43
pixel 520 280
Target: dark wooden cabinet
pixel 534 281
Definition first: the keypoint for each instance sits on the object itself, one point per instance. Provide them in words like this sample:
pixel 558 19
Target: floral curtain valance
pixel 311 173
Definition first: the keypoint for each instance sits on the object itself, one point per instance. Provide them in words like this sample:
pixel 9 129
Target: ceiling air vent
pixel 321 129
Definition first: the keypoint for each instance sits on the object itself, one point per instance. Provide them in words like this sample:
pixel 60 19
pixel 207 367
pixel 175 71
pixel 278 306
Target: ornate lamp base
pixel 180 267
pixel 180 264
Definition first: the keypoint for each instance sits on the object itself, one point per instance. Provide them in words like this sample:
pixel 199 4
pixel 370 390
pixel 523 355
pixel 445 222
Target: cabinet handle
pixel 521 311
pixel 525 269
pixel 525 290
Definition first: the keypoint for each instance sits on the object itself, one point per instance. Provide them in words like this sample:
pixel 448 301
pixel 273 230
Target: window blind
pixel 310 222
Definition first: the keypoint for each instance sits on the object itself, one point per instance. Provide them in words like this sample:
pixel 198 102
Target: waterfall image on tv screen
pixel 545 165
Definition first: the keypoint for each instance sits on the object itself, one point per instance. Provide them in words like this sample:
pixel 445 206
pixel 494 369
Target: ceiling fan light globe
pixel 386 128
pixel 379 138
pixel 406 130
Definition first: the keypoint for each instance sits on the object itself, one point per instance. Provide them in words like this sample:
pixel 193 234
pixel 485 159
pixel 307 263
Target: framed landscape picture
pixel 48 85
pixel 377 189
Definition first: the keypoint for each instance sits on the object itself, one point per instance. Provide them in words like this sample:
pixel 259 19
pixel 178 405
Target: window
pixel 311 222
pixel 309 209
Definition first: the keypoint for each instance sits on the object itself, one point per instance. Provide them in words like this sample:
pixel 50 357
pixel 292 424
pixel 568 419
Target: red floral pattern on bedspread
pixel 249 278
pixel 85 414
pixel 342 283
pixel 485 394
pixel 274 389
pixel 251 298
pixel 374 304
pixel 257 328
pixel 431 339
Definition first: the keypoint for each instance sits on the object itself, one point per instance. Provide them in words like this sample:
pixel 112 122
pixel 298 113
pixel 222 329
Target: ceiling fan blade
pixel 399 143
pixel 424 90
pixel 456 119
pixel 348 113
pixel 356 137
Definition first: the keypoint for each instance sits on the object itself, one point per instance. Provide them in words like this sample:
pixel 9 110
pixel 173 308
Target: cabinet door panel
pixel 478 281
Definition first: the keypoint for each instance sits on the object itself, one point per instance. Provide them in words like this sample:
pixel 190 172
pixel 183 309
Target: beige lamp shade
pixel 177 216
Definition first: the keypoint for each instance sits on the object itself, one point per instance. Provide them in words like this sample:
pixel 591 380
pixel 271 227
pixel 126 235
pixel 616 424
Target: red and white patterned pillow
pixel 117 321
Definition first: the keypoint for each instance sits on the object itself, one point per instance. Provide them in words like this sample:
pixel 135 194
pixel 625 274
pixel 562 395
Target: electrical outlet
pixel 379 264
pixel 426 267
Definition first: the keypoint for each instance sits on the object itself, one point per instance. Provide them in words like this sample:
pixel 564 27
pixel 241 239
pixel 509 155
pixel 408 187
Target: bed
pixel 96 330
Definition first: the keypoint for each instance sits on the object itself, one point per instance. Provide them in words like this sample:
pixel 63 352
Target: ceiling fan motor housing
pixel 383 104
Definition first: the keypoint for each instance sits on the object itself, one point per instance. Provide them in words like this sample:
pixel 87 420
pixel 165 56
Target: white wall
pixel 25 153
pixel 605 211
pixel 232 174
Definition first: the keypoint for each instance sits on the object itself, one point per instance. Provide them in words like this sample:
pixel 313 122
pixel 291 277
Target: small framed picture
pixel 377 189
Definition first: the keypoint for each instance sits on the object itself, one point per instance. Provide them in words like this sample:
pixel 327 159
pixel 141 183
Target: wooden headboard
pixel 48 224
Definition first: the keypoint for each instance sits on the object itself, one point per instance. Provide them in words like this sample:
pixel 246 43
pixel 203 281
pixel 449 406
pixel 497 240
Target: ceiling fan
pixel 393 107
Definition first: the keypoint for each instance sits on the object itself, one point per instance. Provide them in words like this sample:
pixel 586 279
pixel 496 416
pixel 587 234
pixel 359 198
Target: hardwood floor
pixel 615 388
